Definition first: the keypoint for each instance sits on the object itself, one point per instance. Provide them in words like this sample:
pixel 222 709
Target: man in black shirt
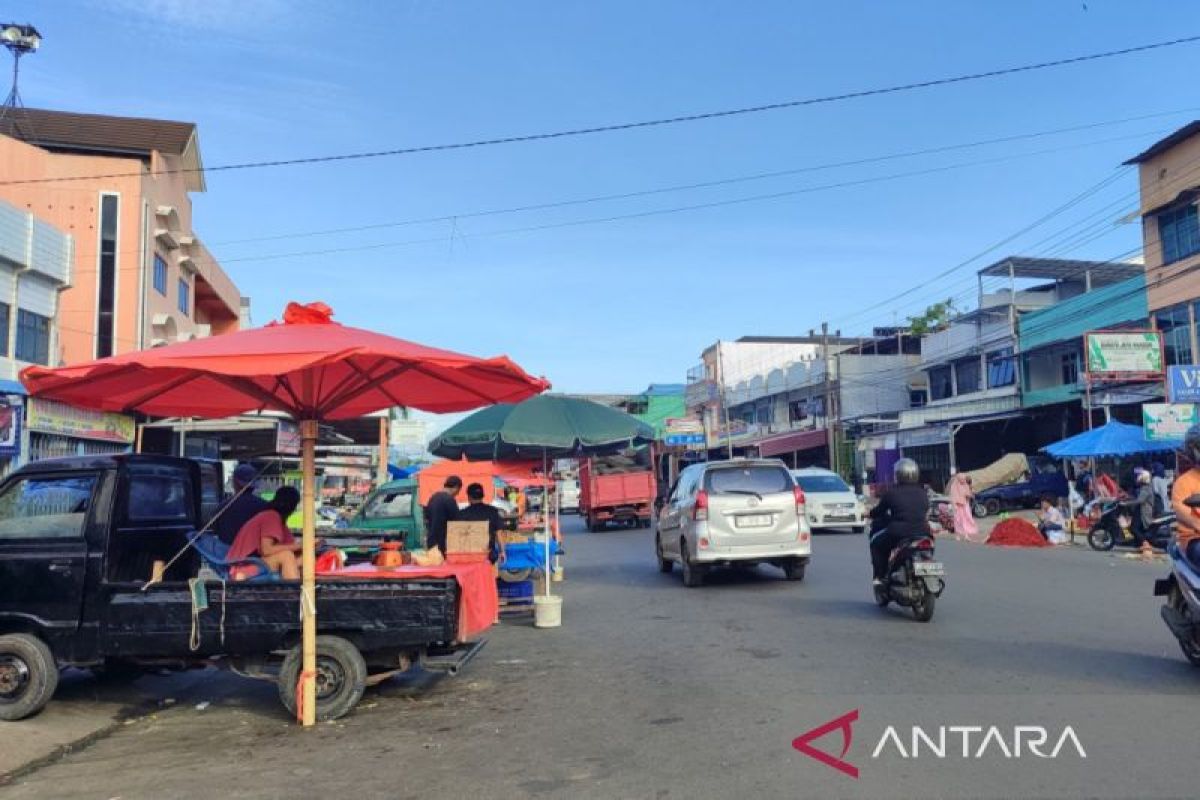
pixel 902 514
pixel 441 509
pixel 244 505
pixel 479 511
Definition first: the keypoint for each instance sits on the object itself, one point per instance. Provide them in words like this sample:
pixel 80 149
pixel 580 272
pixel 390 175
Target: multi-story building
pixel 735 373
pixel 121 188
pixel 1169 181
pixel 974 413
pixel 1053 387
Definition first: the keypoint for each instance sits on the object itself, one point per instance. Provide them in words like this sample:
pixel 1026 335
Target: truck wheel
pixel 28 676
pixel 341 677
pixel 992 506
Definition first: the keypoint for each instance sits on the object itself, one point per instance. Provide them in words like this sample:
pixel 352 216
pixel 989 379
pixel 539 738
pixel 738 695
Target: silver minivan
pixel 721 513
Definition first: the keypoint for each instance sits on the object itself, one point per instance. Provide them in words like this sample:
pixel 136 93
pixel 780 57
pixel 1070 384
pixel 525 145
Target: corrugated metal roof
pixel 1117 304
pixel 65 130
pixel 1166 143
pixel 1059 269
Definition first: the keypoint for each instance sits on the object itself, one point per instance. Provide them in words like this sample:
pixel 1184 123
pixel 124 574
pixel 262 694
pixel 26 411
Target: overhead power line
pixel 648 123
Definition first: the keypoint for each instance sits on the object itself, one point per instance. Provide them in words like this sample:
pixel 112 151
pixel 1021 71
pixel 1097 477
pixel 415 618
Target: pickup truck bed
pixel 377 616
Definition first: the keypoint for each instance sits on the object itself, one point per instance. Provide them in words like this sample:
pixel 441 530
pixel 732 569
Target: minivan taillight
pixel 700 510
pixel 799 494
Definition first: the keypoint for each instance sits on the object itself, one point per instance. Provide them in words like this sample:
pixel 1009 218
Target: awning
pixel 791 442
pixel 12 387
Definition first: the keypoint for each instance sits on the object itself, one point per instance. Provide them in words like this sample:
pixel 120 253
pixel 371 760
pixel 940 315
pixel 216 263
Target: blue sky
pixel 614 306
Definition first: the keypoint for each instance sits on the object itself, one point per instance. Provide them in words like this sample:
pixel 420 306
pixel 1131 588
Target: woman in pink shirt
pixel 266 536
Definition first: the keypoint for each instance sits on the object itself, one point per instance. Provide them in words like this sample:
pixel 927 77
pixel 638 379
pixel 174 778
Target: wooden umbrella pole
pixel 308 591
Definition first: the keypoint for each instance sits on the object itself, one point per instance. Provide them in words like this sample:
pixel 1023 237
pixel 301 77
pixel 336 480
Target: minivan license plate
pixel 929 568
pixel 753 521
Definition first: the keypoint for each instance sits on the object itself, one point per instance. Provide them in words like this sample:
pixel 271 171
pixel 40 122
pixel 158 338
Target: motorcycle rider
pixel 1141 505
pixel 1187 530
pixel 902 514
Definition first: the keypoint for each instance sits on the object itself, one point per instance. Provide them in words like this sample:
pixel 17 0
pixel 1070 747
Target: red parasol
pixel 308 366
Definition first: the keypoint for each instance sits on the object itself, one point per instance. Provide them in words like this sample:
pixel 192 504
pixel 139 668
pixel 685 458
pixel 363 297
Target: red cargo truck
pixel 626 498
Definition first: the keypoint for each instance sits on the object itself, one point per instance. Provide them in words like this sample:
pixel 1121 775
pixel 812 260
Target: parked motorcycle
pixel 1181 611
pixel 914 578
pixel 1107 531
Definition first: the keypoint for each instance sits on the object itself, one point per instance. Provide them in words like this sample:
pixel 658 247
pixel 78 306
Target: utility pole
pixel 724 402
pixel 829 428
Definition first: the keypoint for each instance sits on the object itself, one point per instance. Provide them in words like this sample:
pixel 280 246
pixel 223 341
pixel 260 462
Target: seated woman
pixel 266 536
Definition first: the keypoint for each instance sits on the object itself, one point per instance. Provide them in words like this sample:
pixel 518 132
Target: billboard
pixel 50 416
pixel 1167 422
pixel 1124 355
pixel 1183 384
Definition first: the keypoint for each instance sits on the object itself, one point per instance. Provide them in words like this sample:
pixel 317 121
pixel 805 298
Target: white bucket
pixel 547 611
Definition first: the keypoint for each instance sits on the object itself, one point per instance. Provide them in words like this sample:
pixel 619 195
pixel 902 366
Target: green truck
pixel 390 510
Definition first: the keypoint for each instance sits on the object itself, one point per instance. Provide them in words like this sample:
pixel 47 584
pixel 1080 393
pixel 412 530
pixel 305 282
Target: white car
pixel 830 502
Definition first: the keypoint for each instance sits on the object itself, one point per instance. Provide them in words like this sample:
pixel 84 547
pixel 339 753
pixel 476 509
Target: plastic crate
pixel 518 591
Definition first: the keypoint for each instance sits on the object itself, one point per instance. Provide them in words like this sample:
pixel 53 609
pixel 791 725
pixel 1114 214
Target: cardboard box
pixel 466 537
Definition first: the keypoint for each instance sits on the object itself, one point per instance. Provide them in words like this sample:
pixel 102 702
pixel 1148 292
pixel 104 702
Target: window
pixel 33 338
pixel 917 398
pixel 159 495
pixel 107 275
pixel 1176 327
pixel 1070 368
pixel 389 504
pixel 637 407
pixel 822 484
pixel 1002 368
pixel 749 480
pixel 185 303
pixel 46 508
pixel 160 275
pixel 4 329
pixel 941 383
pixel 798 410
pixel 967 376
pixel 1179 232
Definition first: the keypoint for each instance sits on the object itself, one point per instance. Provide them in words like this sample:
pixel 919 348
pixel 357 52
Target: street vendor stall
pixel 308 367
pixel 549 427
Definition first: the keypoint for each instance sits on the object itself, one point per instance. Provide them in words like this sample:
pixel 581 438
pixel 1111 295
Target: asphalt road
pixel 653 690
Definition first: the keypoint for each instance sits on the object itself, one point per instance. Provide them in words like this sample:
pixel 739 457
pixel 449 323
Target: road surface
pixel 653 690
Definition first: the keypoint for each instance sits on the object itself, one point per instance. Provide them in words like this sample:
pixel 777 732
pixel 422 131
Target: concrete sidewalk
pixel 87 708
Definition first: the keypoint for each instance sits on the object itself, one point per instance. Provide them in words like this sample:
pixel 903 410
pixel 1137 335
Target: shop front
pixel 57 430
pixel 12 404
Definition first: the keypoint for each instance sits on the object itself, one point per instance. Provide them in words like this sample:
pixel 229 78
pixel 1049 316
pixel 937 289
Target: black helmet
pixel 1191 444
pixel 907 470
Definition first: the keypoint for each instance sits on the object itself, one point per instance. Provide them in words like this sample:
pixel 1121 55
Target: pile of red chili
pixel 1016 533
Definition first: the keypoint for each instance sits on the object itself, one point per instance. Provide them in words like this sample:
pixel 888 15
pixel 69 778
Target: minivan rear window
pixel 741 480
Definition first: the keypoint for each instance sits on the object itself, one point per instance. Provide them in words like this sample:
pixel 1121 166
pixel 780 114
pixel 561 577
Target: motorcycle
pixel 1107 531
pixel 1181 611
pixel 914 578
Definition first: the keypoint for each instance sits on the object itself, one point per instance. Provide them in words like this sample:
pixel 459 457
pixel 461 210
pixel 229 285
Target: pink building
pixel 120 187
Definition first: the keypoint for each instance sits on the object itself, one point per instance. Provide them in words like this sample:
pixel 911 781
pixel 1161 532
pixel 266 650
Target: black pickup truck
pixel 79 538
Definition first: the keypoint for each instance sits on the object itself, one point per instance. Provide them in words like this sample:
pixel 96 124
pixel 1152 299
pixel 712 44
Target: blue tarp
pixel 397 473
pixel 527 555
pixel 1112 439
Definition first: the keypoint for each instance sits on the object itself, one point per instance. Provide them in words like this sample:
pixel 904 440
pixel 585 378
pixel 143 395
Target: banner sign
pixel 49 416
pixel 287 438
pixel 684 440
pixel 1167 422
pixel 684 425
pixel 10 428
pixel 1124 355
pixel 1183 384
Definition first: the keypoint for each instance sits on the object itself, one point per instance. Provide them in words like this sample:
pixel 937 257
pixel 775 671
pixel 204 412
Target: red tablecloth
pixel 478 602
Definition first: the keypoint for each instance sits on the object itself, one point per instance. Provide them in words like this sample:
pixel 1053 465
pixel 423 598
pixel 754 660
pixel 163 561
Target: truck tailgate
pixel 250 618
pixel 623 488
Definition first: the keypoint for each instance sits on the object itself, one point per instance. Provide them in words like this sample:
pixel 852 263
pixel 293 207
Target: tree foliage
pixel 935 318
